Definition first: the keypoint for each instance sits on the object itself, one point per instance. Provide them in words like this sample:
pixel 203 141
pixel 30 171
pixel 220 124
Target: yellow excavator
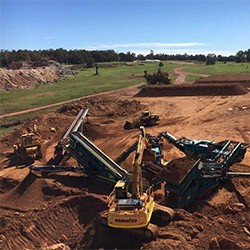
pixel 146 119
pixel 134 210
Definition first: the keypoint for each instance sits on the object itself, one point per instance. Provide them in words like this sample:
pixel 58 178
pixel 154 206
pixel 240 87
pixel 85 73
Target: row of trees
pixel 89 58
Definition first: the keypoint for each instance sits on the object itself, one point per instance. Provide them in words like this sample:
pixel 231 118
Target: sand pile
pixel 6 184
pixel 21 197
pixel 193 90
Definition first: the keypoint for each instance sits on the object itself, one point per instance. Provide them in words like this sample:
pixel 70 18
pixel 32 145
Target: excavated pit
pixel 66 221
pixel 72 220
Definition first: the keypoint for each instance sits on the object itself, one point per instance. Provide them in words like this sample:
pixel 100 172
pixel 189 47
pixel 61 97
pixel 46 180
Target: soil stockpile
pixel 193 90
pixel 103 107
pixel 242 79
pixel 25 78
pixel 177 169
pixel 93 131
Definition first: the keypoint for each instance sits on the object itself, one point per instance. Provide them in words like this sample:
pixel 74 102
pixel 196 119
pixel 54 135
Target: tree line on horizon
pixel 90 58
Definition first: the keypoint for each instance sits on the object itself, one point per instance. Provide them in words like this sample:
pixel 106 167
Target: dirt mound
pixel 6 184
pixel 22 196
pixel 242 79
pixel 25 78
pixel 177 169
pixel 194 231
pixel 193 90
pixel 93 131
pixel 103 107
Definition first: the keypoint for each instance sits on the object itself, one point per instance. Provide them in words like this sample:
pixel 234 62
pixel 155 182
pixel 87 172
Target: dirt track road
pixel 124 92
pixel 182 75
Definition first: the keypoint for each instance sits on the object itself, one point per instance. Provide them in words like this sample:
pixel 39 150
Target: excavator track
pixel 150 231
pixel 103 218
pixel 163 214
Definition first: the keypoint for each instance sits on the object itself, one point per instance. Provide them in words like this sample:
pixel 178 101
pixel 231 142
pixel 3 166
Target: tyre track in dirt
pixel 182 75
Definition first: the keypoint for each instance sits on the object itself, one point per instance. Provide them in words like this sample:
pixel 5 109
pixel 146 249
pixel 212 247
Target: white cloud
pixel 144 45
pixel 161 48
pixel 187 51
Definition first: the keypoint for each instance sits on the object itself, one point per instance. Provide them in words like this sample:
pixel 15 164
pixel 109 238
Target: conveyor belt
pixel 96 160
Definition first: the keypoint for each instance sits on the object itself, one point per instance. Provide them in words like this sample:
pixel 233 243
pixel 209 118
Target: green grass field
pixel 112 76
pixel 219 68
pixel 191 78
pixel 82 84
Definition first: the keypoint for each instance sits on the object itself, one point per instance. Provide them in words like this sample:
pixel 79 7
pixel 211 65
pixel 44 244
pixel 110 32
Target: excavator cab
pixel 121 190
pixel 145 114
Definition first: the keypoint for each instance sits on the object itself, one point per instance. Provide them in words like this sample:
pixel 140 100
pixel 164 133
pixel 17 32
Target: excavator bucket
pixel 148 155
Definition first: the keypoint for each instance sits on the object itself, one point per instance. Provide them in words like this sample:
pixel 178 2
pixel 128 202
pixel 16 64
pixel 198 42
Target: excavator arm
pixel 137 185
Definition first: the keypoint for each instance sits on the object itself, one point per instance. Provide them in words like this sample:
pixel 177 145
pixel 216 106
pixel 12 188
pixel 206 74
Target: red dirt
pixel 177 169
pixel 242 79
pixel 193 90
pixel 181 75
pixel 62 210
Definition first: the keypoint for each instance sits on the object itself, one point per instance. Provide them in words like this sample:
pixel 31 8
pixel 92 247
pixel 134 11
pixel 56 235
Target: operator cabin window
pixel 130 204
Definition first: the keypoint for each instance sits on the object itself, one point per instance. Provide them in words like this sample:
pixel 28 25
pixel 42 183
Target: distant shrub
pixel 211 59
pixel 157 78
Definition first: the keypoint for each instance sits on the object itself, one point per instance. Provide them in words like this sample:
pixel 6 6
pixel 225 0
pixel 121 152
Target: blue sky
pixel 164 26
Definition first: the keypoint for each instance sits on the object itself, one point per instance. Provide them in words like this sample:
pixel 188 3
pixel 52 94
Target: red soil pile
pixel 7 184
pixel 193 90
pixel 177 169
pixel 103 107
pixel 242 79
pixel 93 131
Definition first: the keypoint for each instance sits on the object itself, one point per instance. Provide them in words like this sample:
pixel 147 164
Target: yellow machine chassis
pixel 112 215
